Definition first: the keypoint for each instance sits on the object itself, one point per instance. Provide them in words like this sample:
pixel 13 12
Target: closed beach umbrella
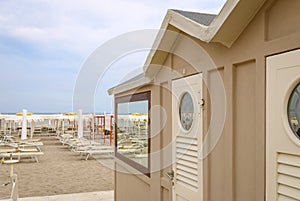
pixel 21 113
pixel 93 126
pixel 31 129
pixel 80 124
pixel 24 126
pixel 10 127
pixel 63 126
pixel 4 126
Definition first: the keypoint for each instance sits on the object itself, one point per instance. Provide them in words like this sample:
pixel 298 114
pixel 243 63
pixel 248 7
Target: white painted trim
pixel 203 33
pixel 129 86
pixel 217 23
pixel 211 33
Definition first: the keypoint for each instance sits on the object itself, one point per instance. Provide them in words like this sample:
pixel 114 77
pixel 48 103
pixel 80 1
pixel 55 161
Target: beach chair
pixel 14 190
pixel 19 155
pixel 14 194
pixel 90 148
pixel 30 144
pixel 65 138
pixel 93 152
pixel 84 144
pixel 10 161
pixel 5 149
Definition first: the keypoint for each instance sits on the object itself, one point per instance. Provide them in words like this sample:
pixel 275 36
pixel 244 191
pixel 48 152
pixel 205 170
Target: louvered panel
pixel 187 168
pixel 189 175
pixel 184 140
pixel 191 184
pixel 289 191
pixel 289 170
pixel 289 159
pixel 190 159
pixel 187 180
pixel 288 176
pixel 187 152
pixel 289 181
pixel 187 162
pixel 187 146
pixel 186 185
pixel 285 198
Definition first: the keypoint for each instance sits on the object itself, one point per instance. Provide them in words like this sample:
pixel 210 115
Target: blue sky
pixel 43 45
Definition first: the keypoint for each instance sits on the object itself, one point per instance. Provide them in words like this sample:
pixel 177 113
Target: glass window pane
pixel 186 111
pixel 133 130
pixel 294 111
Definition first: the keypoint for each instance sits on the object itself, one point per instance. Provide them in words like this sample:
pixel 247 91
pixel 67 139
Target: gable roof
pixel 133 79
pixel 201 18
pixel 134 82
pixel 223 28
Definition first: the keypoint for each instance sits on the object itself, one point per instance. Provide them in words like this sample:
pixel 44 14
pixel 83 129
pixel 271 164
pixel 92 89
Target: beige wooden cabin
pixel 253 47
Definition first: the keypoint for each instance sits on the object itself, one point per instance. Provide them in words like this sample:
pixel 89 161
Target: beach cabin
pixel 219 98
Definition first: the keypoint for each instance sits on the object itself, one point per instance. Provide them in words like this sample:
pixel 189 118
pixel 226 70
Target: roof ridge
pixel 200 18
pixel 196 12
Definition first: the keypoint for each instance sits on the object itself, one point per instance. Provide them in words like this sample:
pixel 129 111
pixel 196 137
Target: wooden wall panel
pixel 244 131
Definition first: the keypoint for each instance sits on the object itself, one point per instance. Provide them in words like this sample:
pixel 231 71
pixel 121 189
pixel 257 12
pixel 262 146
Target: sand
pixel 59 171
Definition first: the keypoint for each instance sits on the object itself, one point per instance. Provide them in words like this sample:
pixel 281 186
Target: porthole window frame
pixel 285 113
pixel 187 132
pixel 179 111
pixel 291 95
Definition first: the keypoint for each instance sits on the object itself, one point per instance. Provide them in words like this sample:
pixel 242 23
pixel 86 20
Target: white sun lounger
pixel 7 150
pixel 31 144
pixel 91 147
pixel 10 161
pixel 127 151
pixel 33 155
pixel 92 152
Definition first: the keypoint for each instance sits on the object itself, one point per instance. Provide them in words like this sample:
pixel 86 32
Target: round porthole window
pixel 186 111
pixel 294 111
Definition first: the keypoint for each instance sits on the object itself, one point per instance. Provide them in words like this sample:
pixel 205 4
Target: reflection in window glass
pixel 294 111
pixel 132 130
pixel 186 111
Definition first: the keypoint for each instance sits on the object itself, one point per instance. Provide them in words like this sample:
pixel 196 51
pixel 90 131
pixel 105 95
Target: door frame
pixel 280 145
pixel 197 99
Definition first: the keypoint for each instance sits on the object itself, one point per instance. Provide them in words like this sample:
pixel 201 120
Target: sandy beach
pixel 59 171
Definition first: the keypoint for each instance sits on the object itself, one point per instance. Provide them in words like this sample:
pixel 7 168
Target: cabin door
pixel 187 138
pixel 283 127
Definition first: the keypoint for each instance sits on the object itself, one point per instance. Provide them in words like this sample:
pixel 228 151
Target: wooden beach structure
pixel 223 95
pixel 105 124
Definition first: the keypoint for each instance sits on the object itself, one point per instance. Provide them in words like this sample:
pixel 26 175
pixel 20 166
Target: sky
pixel 44 44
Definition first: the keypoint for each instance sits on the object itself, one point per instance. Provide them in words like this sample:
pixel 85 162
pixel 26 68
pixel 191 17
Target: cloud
pixel 48 41
pixel 80 26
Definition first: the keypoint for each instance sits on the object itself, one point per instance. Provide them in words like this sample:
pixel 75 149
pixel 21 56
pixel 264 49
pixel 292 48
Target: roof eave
pixel 129 86
pixel 224 29
pixel 232 20
pixel 179 22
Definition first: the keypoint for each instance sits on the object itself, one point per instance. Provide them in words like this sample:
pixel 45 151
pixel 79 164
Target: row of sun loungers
pixel 93 152
pixel 90 148
pixel 84 147
pixel 12 150
pixel 34 155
